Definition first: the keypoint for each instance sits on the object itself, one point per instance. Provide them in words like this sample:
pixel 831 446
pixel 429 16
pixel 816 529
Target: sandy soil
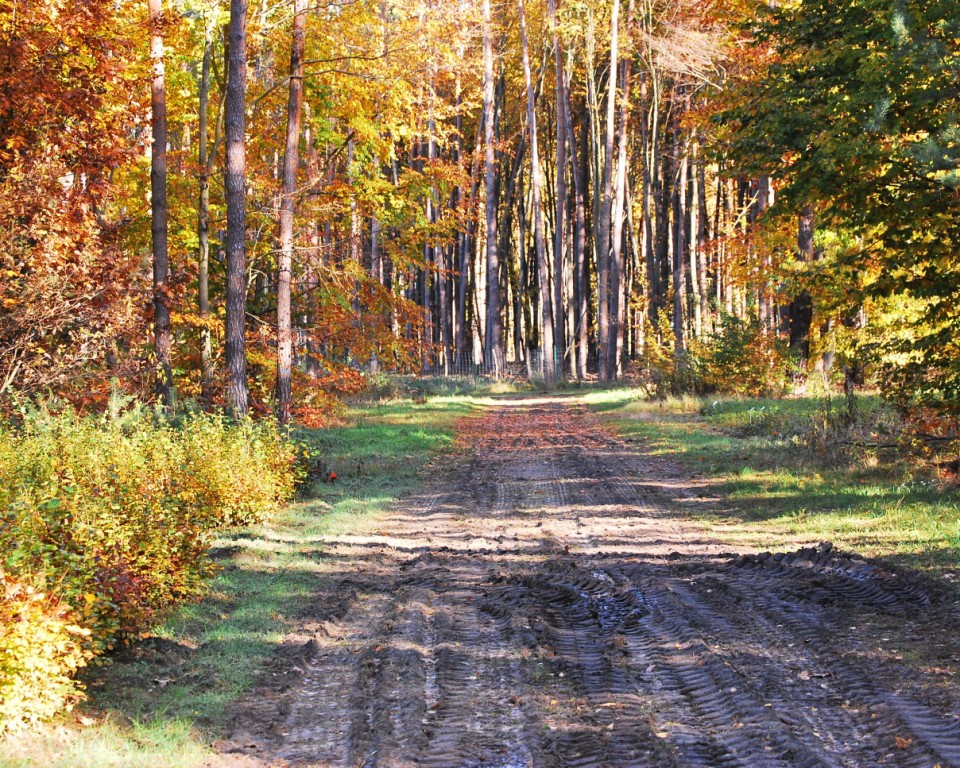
pixel 545 601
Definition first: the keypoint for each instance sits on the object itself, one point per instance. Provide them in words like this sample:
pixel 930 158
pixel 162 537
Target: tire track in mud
pixel 542 603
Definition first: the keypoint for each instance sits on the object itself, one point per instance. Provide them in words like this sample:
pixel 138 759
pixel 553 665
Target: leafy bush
pixel 744 359
pixel 40 649
pixel 112 516
pixel 668 371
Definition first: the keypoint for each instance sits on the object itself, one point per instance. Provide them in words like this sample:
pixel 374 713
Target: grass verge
pixel 162 702
pixel 771 474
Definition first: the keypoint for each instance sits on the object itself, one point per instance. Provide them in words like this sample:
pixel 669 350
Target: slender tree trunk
pixel 560 225
pixel 465 298
pixel 703 225
pixel 581 314
pixel 801 308
pixel 647 139
pixel 234 182
pixel 291 162
pixel 158 206
pixel 603 225
pixel 679 238
pixel 203 225
pixel 493 353
pixel 694 249
pixel 546 316
pixel 616 303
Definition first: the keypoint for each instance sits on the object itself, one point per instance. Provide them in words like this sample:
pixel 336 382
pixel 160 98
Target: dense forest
pixel 257 207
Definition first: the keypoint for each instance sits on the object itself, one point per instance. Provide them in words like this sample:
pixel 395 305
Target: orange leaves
pixel 65 308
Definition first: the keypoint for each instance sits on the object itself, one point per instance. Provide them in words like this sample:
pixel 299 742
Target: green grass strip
pixel 771 474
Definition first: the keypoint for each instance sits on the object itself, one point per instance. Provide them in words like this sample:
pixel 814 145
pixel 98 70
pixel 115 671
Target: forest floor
pixel 545 598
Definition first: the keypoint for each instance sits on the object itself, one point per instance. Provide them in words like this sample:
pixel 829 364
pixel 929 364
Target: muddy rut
pixel 544 602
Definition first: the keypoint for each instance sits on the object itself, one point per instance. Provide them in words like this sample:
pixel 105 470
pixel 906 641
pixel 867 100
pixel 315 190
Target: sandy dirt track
pixel 543 601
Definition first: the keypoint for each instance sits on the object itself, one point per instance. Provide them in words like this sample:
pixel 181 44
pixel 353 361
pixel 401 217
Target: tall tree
pixel 547 350
pixel 604 221
pixel 560 223
pixel 493 343
pixel 158 207
pixel 234 182
pixel 205 163
pixel 291 161
pixel 617 266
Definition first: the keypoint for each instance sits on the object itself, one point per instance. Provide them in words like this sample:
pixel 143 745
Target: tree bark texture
pixel 234 181
pixel 493 343
pixel 158 209
pixel 547 350
pixel 291 162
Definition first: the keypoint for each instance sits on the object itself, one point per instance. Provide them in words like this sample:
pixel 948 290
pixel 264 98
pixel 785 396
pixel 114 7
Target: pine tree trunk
pixel 603 224
pixel 203 225
pixel 695 245
pixel 617 270
pixel 581 310
pixel 493 352
pixel 801 308
pixel 546 317
pixel 237 395
pixel 679 245
pixel 560 225
pixel 291 162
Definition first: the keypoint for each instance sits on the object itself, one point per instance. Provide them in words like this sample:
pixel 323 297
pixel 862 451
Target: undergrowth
pixel 164 699
pixel 105 523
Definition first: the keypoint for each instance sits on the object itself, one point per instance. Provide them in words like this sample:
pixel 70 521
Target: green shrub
pixel 665 369
pixel 113 516
pixel 744 359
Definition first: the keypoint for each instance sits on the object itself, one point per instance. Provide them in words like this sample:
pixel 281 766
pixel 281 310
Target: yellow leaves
pixel 39 652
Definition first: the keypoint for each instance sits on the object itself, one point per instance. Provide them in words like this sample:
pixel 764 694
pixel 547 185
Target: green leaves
pixel 858 114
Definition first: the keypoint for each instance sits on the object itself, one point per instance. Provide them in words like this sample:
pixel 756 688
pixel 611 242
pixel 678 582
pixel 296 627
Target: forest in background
pixel 256 207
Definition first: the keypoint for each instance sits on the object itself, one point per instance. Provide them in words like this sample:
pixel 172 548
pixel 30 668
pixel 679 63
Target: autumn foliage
pixel 105 525
pixel 68 291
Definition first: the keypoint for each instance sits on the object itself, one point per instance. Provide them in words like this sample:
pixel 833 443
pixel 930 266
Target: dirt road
pixel 544 601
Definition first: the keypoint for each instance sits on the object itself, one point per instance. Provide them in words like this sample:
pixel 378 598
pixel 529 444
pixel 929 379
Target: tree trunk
pixel 560 225
pixel 679 238
pixel 493 352
pixel 291 161
pixel 616 269
pixel 703 235
pixel 581 309
pixel 234 183
pixel 603 224
pixel 203 225
pixel 158 209
pixel 695 216
pixel 465 302
pixel 648 138
pixel 801 308
pixel 546 316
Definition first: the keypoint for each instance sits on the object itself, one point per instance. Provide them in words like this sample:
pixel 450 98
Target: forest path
pixel 544 601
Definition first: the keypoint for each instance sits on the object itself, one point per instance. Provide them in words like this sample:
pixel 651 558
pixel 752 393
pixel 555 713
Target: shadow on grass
pixel 766 483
